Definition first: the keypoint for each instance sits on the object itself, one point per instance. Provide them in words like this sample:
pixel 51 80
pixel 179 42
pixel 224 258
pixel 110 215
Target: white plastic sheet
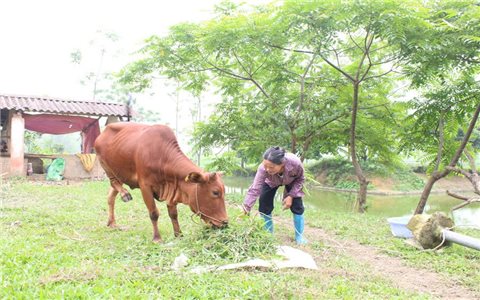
pixel 294 258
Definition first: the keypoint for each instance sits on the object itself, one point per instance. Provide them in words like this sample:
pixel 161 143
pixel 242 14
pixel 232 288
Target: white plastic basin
pixel 398 225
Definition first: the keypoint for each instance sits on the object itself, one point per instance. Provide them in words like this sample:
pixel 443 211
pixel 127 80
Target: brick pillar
pixel 17 148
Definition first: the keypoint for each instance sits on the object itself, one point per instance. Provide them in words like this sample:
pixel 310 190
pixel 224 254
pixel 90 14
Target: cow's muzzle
pixel 223 224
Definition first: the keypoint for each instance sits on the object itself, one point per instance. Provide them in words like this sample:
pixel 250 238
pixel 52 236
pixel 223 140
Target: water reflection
pixel 387 206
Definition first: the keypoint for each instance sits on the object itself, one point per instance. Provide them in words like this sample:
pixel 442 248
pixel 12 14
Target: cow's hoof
pixel 112 225
pixel 127 197
pixel 157 240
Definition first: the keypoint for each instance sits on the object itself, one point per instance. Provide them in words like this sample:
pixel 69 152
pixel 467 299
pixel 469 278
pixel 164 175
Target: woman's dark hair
pixel 275 154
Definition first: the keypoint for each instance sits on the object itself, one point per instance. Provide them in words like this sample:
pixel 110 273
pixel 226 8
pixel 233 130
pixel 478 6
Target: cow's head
pixel 207 198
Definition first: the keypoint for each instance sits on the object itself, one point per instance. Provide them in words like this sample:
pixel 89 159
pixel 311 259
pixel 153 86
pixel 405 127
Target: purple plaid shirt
pixel 292 176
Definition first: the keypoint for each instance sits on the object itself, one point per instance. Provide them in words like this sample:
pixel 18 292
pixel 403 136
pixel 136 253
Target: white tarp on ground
pixel 294 258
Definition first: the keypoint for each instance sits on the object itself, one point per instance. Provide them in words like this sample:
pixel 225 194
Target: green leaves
pixel 287 73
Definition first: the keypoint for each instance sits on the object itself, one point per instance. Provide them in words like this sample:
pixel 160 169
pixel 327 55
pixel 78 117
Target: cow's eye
pixel 216 193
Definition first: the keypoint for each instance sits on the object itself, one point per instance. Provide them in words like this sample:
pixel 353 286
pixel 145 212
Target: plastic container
pixel 398 225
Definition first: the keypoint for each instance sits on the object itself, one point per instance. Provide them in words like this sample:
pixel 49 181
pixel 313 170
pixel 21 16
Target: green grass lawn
pixel 54 244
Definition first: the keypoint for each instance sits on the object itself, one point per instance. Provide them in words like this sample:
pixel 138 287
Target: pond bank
pixel 385 186
pixel 387 192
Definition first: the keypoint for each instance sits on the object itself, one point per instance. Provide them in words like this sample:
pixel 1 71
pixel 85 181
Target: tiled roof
pixel 62 106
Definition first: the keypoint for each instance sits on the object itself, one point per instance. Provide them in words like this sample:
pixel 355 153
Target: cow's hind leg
pixel 153 212
pixel 173 214
pixel 112 194
pixel 116 183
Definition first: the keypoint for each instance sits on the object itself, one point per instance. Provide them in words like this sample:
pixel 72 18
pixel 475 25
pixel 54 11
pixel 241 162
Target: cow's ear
pixel 195 177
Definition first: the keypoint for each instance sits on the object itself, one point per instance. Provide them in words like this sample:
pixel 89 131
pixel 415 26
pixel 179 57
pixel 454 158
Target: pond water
pixel 387 206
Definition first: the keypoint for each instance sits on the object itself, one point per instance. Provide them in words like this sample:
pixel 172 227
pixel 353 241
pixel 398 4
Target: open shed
pixel 53 116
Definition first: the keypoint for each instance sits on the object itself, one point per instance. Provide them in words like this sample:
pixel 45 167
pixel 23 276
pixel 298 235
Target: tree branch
pixel 441 141
pixel 323 57
pixel 241 64
pixel 471 160
pixel 467 200
pixel 460 171
pixel 302 84
pixel 228 72
pixel 385 61
pixel 354 42
pixel 233 75
pixel 466 137
pixel 376 76
pixel 337 68
pixel 455 195
pixel 368 44
pixel 293 50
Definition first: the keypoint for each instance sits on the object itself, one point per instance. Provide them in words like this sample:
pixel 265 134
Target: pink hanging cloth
pixel 59 124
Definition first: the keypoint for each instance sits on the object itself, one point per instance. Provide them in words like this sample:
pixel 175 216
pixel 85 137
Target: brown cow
pixel 149 157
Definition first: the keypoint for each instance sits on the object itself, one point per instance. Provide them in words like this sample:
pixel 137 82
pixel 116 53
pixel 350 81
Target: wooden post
pixel 17 148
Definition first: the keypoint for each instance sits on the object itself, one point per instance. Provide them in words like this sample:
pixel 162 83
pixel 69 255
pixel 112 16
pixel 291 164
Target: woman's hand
pixel 287 202
pixel 245 210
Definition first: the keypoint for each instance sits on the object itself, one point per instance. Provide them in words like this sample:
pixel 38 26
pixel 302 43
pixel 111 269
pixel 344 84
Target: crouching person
pixel 278 168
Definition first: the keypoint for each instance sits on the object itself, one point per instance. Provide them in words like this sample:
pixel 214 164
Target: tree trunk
pixel 438 175
pixel 306 146
pixel 362 192
pixel 426 191
pixel 294 143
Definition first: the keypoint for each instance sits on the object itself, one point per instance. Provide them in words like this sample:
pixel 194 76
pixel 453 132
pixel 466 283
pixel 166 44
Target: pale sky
pixel 37 38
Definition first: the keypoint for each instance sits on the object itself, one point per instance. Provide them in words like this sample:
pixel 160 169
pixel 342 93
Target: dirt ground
pixel 391 268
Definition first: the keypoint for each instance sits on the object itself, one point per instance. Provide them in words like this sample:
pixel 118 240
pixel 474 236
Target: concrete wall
pixel 5 167
pixel 74 169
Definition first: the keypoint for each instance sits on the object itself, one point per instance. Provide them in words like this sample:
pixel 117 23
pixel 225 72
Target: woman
pixel 278 168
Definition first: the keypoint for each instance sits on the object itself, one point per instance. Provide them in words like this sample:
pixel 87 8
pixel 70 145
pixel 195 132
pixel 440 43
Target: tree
pixel 290 74
pixel 437 118
pixel 444 56
pixel 355 39
pixel 283 98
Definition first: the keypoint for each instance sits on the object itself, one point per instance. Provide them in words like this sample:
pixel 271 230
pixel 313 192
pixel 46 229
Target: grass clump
pixel 243 239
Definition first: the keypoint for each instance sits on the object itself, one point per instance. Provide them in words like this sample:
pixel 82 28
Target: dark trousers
pixel 266 201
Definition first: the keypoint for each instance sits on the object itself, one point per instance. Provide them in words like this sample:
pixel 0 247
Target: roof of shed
pixel 63 106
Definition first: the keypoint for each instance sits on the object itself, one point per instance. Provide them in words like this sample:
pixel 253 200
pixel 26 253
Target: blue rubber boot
pixel 299 223
pixel 268 222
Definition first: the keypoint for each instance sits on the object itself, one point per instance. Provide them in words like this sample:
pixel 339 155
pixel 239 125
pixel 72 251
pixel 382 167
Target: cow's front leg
pixel 112 194
pixel 173 214
pixel 153 212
